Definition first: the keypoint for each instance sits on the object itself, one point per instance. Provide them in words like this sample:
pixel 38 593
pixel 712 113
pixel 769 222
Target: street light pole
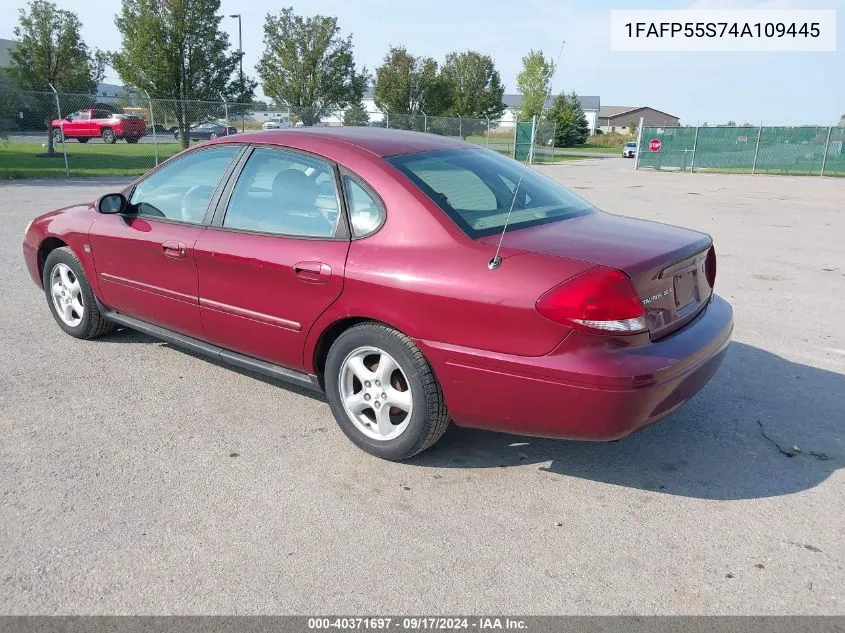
pixel 241 62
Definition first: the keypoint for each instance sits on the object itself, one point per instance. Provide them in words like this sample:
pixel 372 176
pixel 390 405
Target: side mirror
pixel 112 203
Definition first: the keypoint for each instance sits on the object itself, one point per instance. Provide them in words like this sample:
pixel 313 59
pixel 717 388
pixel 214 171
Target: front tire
pixel 70 297
pixel 108 136
pixel 383 393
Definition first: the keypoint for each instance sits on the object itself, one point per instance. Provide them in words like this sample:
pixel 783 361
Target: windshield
pixel 475 189
pixel 630 144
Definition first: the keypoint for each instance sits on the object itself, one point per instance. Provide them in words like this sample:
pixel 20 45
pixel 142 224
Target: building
pixel 590 105
pixel 376 115
pixel 110 93
pixel 5 47
pixel 619 118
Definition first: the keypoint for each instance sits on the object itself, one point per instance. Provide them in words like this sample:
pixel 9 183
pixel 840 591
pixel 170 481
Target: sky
pixel 786 88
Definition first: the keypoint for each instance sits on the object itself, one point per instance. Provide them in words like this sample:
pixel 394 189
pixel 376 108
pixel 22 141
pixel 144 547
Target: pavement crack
pixel 811 548
pixel 822 457
pixel 776 445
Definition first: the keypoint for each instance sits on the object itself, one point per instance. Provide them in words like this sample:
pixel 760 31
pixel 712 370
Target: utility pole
pixel 241 62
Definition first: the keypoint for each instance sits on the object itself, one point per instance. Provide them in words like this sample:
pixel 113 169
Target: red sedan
pixel 417 280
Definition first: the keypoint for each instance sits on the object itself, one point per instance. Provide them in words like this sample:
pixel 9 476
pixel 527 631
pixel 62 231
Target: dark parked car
pixel 363 263
pixel 206 131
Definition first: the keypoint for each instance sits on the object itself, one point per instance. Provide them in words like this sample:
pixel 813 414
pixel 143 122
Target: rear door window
pixel 284 193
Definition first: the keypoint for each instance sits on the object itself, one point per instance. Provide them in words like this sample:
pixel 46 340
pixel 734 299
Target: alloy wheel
pixel 375 393
pixel 66 292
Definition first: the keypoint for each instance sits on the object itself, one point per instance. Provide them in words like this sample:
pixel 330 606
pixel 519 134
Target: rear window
pixel 475 188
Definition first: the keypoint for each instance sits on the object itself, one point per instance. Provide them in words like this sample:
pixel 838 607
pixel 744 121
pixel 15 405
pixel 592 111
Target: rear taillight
pixel 599 300
pixel 710 267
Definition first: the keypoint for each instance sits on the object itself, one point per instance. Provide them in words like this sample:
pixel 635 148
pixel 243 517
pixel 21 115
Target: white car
pixel 275 124
pixel 630 150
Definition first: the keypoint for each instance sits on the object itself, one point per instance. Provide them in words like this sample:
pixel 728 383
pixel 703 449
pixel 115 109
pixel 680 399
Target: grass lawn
pixel 766 171
pixel 24 160
pixel 594 149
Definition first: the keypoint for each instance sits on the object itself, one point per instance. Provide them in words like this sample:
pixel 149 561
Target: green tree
pixel 409 85
pixel 533 83
pixel 571 126
pixel 10 104
pixel 176 51
pixel 356 115
pixel 475 85
pixel 730 124
pixel 307 66
pixel 50 50
pixel 632 127
pixel 243 94
pixel 475 89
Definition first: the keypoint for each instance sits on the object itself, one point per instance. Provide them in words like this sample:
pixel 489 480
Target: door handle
pixel 174 249
pixel 313 272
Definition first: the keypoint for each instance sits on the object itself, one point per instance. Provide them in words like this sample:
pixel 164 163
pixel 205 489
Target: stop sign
pixel 654 145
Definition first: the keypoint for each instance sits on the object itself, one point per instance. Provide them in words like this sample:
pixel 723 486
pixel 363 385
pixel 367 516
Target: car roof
pixel 379 141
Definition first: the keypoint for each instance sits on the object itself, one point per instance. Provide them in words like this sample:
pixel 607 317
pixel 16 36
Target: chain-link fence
pixel 48 133
pixel 806 151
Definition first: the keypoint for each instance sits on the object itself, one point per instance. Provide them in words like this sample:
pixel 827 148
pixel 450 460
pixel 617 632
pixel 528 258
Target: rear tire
pixel 131 140
pixel 62 268
pixel 108 136
pixel 412 382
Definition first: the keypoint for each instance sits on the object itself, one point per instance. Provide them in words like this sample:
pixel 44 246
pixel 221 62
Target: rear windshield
pixel 475 188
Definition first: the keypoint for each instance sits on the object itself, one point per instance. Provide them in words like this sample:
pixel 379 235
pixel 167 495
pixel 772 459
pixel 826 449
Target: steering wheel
pixel 195 202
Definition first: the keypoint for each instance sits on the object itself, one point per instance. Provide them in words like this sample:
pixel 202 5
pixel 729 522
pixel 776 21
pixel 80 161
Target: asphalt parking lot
pixel 137 478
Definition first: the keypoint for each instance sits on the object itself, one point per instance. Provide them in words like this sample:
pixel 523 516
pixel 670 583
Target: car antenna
pixel 494 263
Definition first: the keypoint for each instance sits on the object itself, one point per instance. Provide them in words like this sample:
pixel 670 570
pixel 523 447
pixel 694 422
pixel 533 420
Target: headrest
pixel 293 188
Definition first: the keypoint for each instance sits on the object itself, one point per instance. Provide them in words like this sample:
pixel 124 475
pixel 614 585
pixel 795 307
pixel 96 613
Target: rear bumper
pixel 587 388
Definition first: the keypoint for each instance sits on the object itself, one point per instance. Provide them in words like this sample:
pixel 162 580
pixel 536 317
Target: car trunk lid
pixel 667 264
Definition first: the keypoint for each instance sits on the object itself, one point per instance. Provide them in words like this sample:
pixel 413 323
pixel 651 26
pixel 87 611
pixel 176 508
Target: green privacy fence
pixel 799 151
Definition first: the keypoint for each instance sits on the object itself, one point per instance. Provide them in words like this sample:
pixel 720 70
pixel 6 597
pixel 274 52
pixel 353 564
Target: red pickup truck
pixel 102 124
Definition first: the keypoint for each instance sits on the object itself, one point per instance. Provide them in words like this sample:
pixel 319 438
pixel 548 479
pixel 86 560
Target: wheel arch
pixel 47 246
pixel 316 358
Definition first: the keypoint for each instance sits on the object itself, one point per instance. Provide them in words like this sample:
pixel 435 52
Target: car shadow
pixel 126 335
pixel 764 426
